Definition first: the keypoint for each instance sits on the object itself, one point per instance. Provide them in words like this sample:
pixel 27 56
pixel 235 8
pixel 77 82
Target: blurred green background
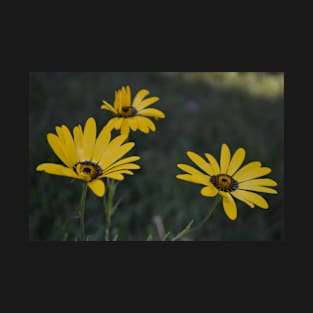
pixel 203 110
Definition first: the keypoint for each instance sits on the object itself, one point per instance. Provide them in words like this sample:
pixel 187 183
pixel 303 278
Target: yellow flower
pixel 132 115
pixel 89 158
pixel 229 180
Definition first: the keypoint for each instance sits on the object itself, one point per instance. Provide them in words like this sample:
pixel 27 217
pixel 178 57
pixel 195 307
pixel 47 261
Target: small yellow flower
pixel 89 158
pixel 132 115
pixel 229 180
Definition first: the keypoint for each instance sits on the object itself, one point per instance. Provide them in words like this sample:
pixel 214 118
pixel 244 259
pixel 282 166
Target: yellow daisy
pixel 132 114
pixel 90 158
pixel 229 180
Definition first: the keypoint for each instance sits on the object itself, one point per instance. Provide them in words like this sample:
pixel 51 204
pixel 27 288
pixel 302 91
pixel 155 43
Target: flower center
pixel 127 111
pixel 224 182
pixel 87 170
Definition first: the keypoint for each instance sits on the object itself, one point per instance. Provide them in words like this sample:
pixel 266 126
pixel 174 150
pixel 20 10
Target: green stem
pixel 107 229
pixel 199 226
pixel 109 207
pixel 82 211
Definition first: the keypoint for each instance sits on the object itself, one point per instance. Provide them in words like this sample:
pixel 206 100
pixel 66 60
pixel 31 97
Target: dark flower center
pixel 127 111
pixel 224 182
pixel 88 170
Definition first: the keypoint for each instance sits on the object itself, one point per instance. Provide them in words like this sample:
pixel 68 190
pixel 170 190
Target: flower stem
pixel 107 229
pixel 82 211
pixel 109 207
pixel 199 226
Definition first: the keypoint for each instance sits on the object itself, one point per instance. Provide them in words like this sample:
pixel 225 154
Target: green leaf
pixel 115 237
pixel 65 236
pixel 165 236
pixel 149 238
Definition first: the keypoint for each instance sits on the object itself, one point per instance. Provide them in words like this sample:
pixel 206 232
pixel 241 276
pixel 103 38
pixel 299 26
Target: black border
pixel 180 55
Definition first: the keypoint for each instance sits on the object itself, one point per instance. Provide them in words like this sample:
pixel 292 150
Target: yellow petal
pixel 125 172
pixel 116 143
pixel 147 122
pixel 120 151
pixel 236 161
pixel 229 206
pixel 109 157
pixel 111 123
pixel 78 140
pixel 209 191
pixel 69 146
pixel 214 164
pixel 128 92
pixel 125 96
pixel 57 169
pixel 97 186
pixel 224 158
pixel 58 148
pixel 114 175
pixel 246 169
pixel 133 123
pixel 193 171
pixel 247 186
pixel 128 172
pixel 119 175
pixel 108 106
pixel 262 182
pixel 127 166
pixel 101 143
pixel 139 96
pixel 199 161
pixel 193 179
pixel 60 133
pixel 241 196
pixel 89 139
pixel 145 103
pixel 118 123
pixel 110 150
pixel 118 100
pixel 253 173
pixel 124 161
pixel 255 198
pixel 125 127
pixel 152 113
pixel 142 125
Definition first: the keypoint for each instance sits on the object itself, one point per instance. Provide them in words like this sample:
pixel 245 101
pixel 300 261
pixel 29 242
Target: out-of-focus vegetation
pixel 203 110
